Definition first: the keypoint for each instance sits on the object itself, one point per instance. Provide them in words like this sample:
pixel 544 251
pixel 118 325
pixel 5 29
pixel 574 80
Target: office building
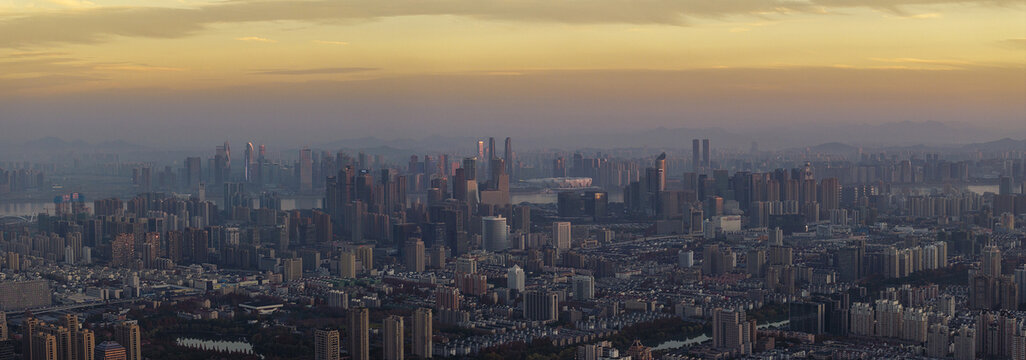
pixel 359 334
pixel 422 333
pixel 584 287
pixel 111 350
pixel 732 332
pixel 127 334
pixel 393 338
pixel 326 345
pixel 561 235
pixel 494 233
pixel 414 255
pixel 541 305
pixel 515 278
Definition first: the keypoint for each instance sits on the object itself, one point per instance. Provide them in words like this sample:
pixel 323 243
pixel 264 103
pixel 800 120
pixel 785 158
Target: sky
pixel 188 72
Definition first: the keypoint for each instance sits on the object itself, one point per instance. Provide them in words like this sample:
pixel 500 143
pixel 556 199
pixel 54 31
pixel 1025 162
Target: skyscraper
pixel 423 343
pixel 359 337
pixel 584 287
pixel 990 261
pixel 414 255
pixel 249 162
pixel 193 172
pixel 128 335
pixel 732 332
pixel 705 153
pixel 110 350
pixel 326 345
pixel 660 166
pixel 696 155
pixel 494 233
pixel 541 305
pixel 305 170
pixel 509 156
pixel 393 341
pixel 491 150
pixel 561 235
pixel 515 278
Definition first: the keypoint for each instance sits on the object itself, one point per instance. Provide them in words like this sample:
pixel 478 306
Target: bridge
pixel 11 314
pixel 16 219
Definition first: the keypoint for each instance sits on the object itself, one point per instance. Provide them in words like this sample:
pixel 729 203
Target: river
pixel 240 347
pixel 676 344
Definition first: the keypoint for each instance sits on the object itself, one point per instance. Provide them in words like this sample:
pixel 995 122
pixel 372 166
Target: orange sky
pixel 64 48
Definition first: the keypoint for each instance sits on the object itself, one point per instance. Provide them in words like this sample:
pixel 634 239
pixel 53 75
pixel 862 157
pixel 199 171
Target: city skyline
pixel 512 179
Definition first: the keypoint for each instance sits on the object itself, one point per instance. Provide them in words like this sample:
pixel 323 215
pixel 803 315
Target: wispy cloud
pixel 1015 43
pixel 140 68
pixel 74 3
pixel 326 42
pixel 97 24
pixel 256 39
pixel 334 70
pixel 934 62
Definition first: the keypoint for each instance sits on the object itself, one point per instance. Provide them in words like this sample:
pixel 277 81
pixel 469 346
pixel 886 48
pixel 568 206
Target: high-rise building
pixel 447 298
pixel 3 326
pixel 365 254
pixel 584 287
pixel 965 343
pixel 938 341
pixel 756 262
pixel 359 336
pixel 111 350
pixel 305 170
pixel 990 261
pixel 291 269
pixel 705 153
pixel 393 341
pixel 414 255
pixel 494 233
pixel 347 264
pixel 807 317
pixel 7 350
pixel 541 305
pixel 509 157
pixel 696 155
pixel 250 163
pixel 337 299
pixel 888 318
pixel 561 235
pixel 128 335
pixel 733 332
pixel 42 346
pixel 122 250
pixel 660 167
pixel 326 345
pixel 422 333
pixel 234 195
pixel 1020 283
pixel 515 278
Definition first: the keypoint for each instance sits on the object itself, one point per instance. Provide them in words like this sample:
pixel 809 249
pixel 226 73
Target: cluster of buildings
pixel 779 255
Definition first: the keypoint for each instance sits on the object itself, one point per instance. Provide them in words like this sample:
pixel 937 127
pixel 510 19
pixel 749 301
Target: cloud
pixel 256 39
pixel 141 68
pixel 1015 43
pixel 96 24
pixel 336 70
pixel 943 63
pixel 325 42
pixel 73 3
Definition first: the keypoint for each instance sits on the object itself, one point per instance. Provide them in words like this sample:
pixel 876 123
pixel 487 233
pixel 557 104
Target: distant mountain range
pixel 837 138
